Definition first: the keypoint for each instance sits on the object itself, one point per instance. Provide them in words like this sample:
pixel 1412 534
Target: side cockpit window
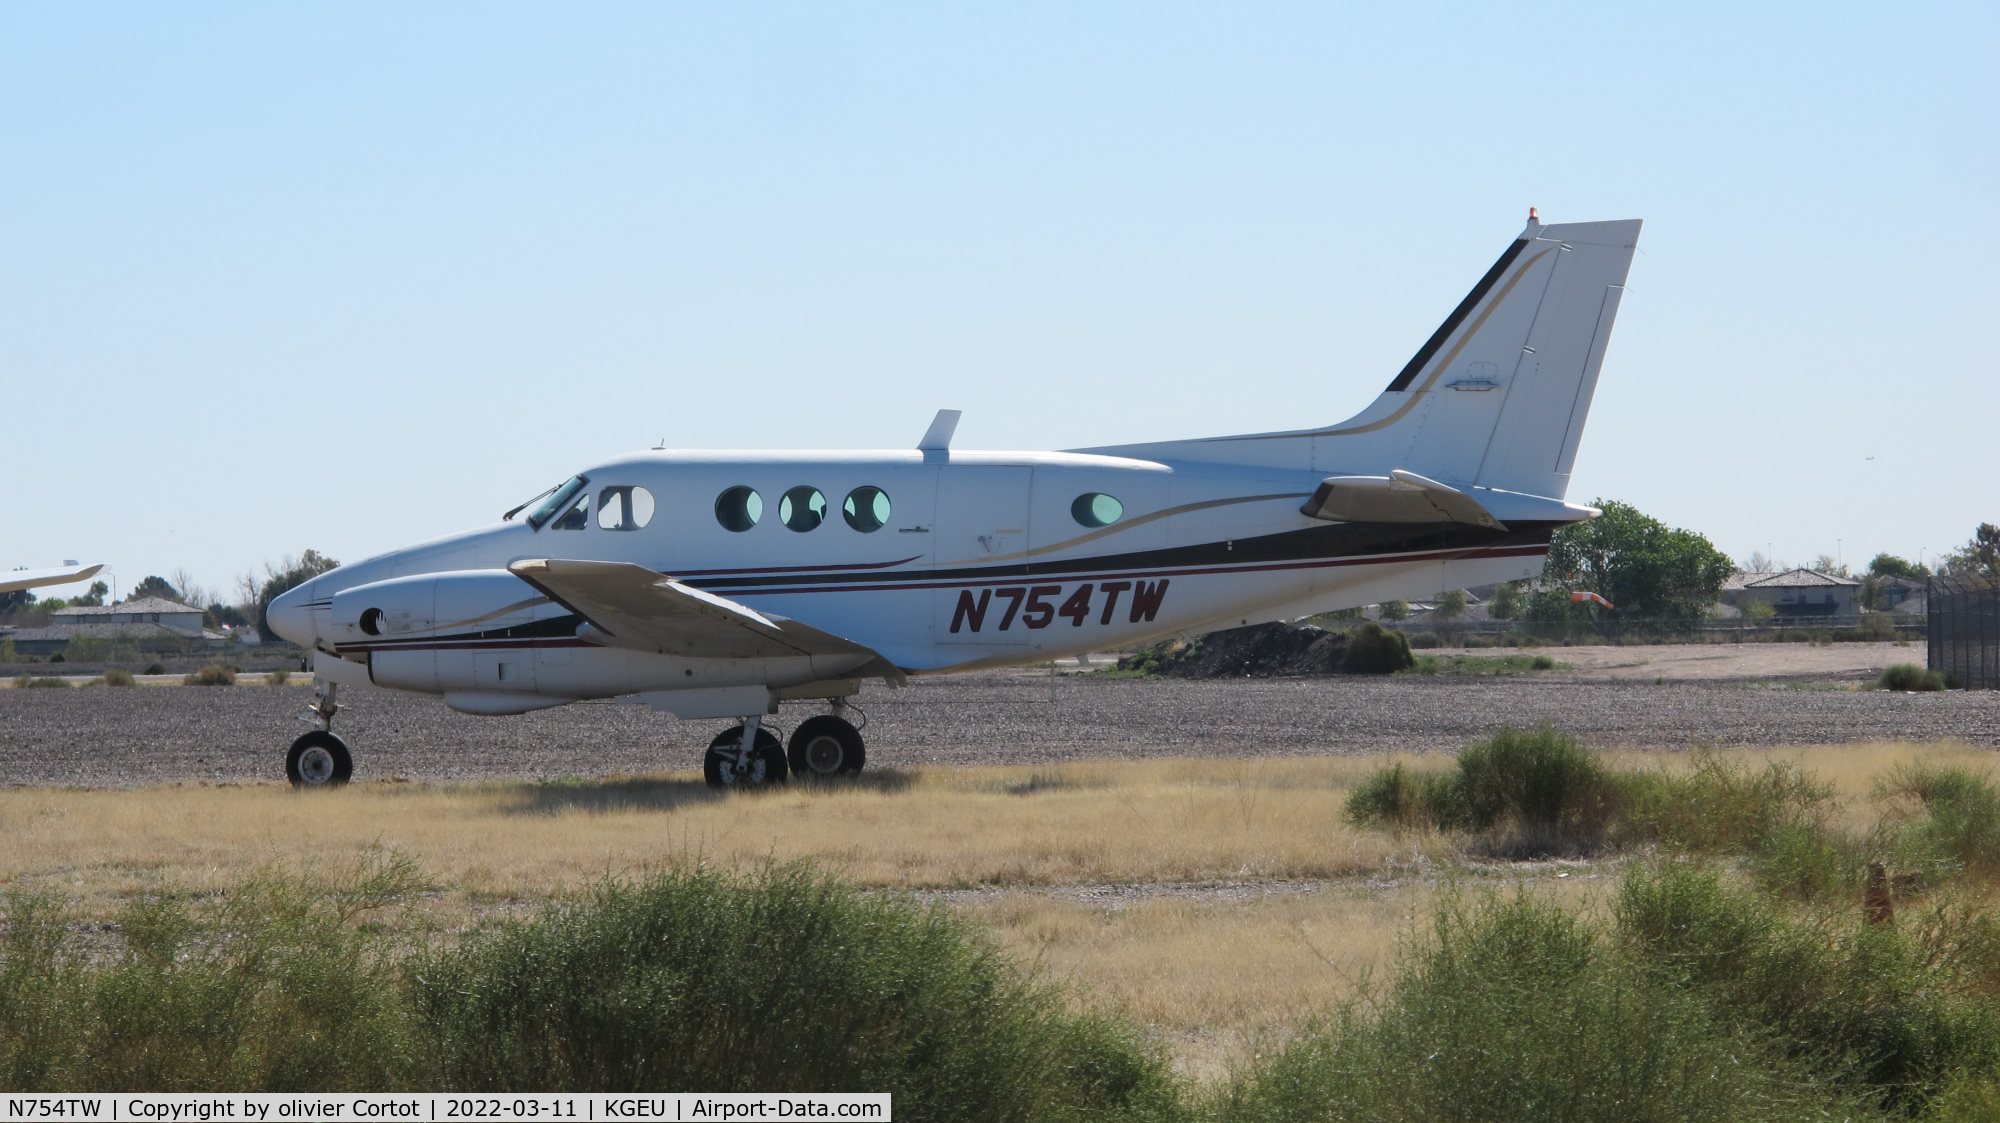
pixel 561 501
pixel 624 508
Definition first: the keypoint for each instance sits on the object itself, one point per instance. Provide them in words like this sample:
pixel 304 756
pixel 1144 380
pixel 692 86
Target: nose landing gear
pixel 319 759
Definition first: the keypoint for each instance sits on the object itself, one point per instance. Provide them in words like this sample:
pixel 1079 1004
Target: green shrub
pixel 1426 640
pixel 1719 806
pixel 1543 663
pixel 116 677
pixel 1947 819
pixel 1405 799
pixel 1890 1012
pixel 211 675
pixel 277 678
pixel 154 669
pixel 1909 676
pixel 1372 649
pixel 697 982
pixel 269 988
pixel 1541 787
pixel 1519 1011
pixel 30 682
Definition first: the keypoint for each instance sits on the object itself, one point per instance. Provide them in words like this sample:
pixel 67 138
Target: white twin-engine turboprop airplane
pixel 716 585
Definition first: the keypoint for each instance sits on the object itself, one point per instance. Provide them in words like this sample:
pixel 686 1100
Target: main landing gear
pixel 827 745
pixel 319 759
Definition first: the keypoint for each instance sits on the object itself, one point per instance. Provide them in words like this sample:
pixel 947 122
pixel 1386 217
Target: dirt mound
pixel 1263 651
pixel 1276 651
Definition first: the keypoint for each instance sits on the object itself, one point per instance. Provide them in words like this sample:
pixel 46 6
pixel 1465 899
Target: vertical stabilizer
pixel 1498 394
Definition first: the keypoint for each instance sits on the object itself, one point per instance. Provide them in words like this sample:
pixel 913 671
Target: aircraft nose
pixel 290 618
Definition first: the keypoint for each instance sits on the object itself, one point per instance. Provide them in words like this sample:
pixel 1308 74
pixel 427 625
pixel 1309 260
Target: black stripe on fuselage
pixel 1319 543
pixel 1457 317
pixel 555 627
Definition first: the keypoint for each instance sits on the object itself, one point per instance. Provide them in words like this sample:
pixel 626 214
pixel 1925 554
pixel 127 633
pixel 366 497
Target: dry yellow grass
pixel 1213 971
pixel 1172 820
pixel 1216 976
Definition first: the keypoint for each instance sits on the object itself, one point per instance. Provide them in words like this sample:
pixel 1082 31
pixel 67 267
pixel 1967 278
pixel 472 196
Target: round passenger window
pixel 739 508
pixel 624 508
pixel 1094 508
pixel 866 509
pixel 802 508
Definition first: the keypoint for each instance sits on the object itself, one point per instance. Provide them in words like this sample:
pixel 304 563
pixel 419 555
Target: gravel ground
pixel 104 737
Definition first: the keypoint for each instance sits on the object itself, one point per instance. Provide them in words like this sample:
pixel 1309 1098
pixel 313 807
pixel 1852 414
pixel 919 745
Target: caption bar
pixel 289 1107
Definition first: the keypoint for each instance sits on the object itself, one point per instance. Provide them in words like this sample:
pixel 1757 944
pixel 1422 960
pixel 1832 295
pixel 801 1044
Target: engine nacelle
pixel 463 630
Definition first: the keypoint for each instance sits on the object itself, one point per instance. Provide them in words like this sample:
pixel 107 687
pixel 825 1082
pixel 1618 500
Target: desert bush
pixel 1517 1010
pixel 277 678
pixel 271 987
pixel 1426 640
pixel 116 677
pixel 1877 626
pixel 693 981
pixel 1892 1013
pixel 1538 786
pixel 1543 663
pixel 1722 806
pixel 211 675
pixel 1909 676
pixel 1372 649
pixel 1944 819
pixel 1406 799
pixel 30 682
pixel 155 669
pixel 1529 791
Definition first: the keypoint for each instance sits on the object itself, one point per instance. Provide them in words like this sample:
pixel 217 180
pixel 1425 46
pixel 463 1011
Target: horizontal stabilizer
pixel 1399 497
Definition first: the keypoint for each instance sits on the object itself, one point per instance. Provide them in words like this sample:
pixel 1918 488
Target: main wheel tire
pixel 765 766
pixel 827 746
pixel 319 760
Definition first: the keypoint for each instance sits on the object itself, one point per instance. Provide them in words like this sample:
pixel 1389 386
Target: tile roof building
pixel 1796 592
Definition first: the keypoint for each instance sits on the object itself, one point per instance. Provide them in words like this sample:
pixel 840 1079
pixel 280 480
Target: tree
pixel 279 581
pixel 1450 605
pixel 94 598
pixel 1980 555
pixel 1395 610
pixel 1829 565
pixel 154 587
pixel 1651 571
pixel 1889 565
pixel 1506 601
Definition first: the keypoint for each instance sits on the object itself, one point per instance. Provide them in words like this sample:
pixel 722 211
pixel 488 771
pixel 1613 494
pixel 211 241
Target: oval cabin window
pixel 803 508
pixel 739 508
pixel 866 509
pixel 1095 508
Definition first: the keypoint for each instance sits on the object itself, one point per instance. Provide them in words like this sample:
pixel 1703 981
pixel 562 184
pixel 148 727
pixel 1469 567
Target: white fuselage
pixel 984 560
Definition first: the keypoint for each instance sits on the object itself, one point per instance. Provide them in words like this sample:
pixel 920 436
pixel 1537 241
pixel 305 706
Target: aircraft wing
pixel 35 578
pixel 633 607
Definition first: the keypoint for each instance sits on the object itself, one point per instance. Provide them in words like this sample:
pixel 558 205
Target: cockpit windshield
pixel 557 499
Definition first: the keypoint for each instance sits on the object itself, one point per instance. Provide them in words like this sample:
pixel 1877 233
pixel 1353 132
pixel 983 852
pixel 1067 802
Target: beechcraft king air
pixel 715 585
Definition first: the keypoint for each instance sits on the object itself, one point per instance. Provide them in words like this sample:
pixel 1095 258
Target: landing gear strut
pixel 319 759
pixel 729 765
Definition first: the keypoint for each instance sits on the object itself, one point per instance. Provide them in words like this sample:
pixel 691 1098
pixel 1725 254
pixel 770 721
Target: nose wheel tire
pixel 827 746
pixel 725 766
pixel 319 760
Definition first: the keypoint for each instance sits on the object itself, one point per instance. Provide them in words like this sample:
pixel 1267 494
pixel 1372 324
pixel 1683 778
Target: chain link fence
pixel 1965 631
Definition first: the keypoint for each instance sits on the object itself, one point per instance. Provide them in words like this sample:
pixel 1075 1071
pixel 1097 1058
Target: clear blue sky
pixel 342 276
